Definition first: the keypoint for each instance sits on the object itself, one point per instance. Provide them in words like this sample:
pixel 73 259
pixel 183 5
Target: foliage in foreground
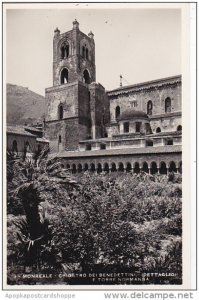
pixel 107 222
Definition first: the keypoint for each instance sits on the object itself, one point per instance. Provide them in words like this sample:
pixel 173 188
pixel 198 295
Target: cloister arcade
pixel 150 167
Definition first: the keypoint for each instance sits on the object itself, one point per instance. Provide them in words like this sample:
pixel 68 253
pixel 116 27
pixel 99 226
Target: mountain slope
pixel 23 105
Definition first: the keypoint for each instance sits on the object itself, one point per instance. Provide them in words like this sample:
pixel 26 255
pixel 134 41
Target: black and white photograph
pixel 94 146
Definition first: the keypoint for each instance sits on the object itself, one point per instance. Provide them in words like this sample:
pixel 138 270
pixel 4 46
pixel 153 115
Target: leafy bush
pixel 118 221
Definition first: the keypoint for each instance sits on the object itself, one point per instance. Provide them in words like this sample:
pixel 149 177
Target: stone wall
pixel 156 92
pixel 67 95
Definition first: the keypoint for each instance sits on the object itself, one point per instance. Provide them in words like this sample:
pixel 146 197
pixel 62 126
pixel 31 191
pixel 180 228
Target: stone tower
pixel 76 106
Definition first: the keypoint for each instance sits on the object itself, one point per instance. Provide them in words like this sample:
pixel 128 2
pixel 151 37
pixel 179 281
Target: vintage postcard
pixel 99 178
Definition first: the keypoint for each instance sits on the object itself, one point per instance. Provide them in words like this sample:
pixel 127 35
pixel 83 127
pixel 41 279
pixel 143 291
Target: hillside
pixel 23 105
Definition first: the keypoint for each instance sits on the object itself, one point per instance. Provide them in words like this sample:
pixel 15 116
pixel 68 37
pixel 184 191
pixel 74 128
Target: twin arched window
pixel 64 50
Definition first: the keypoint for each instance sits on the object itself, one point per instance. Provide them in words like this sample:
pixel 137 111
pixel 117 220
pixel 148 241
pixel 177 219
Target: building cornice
pixel 145 86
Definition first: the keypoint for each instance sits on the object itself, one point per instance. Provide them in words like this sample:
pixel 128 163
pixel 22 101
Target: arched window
pixel 179 128
pixel 158 129
pixel 64 51
pixel 64 76
pixel 149 107
pixel 167 105
pixel 117 112
pixel 61 112
pixel 83 51
pixel 86 53
pixel 14 146
pixel 86 77
pixel 172 167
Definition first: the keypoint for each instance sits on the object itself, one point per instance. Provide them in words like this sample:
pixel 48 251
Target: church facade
pixel 135 127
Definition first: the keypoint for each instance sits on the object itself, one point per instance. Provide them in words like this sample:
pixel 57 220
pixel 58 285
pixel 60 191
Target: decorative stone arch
pixel 64 48
pixel 145 167
pixel 99 168
pixel 85 167
pixel 172 166
pixel 136 167
pixel 92 167
pixel 86 76
pixel 162 167
pixel 64 75
pixel 128 167
pixel 113 167
pixel 106 167
pixel 153 167
pixel 121 167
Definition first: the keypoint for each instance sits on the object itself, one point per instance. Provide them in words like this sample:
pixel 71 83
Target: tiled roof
pixel 19 131
pixel 128 151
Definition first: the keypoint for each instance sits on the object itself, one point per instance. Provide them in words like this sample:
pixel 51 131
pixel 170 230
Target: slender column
pixel 158 171
pixel 149 170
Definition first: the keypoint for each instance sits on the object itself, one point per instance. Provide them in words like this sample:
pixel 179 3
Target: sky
pixel 141 44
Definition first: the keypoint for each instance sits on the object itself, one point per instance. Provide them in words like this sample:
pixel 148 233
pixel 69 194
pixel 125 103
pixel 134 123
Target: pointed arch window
pixel 64 76
pixel 149 107
pixel 167 105
pixel 64 50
